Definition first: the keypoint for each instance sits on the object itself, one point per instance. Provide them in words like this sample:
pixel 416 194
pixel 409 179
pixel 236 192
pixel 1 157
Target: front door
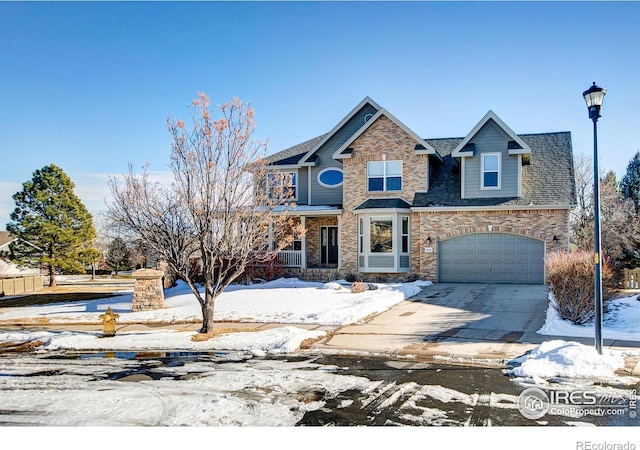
pixel 329 246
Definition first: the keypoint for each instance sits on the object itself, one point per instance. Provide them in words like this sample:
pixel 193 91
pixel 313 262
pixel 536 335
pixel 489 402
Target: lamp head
pixel 594 96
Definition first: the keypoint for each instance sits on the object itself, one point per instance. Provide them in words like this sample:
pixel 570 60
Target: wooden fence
pixel 632 278
pixel 20 284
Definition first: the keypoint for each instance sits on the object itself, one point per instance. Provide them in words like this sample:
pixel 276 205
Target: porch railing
pixel 632 278
pixel 291 258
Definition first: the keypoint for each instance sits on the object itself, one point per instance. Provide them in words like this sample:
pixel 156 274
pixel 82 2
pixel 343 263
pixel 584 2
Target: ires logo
pixel 534 403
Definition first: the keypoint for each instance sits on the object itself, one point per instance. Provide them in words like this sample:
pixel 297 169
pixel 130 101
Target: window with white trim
pixel 404 235
pixel 491 170
pixel 331 177
pixel 361 235
pixel 384 176
pixel 384 243
pixel 282 185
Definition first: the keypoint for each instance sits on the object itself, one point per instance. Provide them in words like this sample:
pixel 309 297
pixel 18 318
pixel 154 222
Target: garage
pixel 491 258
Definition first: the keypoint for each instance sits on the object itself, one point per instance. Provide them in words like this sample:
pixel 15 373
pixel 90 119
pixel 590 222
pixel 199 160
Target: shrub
pixel 269 270
pixel 571 277
pixel 351 277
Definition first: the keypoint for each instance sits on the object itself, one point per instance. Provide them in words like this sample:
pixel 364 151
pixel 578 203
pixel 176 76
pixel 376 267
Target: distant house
pixel 5 240
pixel 6 266
pixel 379 201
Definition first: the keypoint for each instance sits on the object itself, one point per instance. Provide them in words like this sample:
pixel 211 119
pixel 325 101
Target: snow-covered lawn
pixel 622 321
pixel 294 302
pixel 284 301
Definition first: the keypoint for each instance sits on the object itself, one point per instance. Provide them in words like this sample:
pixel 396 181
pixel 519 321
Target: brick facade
pixel 537 224
pixel 384 140
pixel 387 140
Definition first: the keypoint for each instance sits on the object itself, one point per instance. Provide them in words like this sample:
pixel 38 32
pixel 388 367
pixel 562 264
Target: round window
pixel 331 177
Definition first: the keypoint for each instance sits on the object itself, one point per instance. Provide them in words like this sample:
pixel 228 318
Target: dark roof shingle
pixel 547 180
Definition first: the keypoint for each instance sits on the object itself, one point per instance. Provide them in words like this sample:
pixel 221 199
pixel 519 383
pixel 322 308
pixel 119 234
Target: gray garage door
pixel 491 258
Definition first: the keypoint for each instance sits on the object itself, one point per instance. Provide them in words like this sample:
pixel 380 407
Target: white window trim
pixel 330 186
pixel 491 188
pixel 365 234
pixel 384 175
pixel 294 172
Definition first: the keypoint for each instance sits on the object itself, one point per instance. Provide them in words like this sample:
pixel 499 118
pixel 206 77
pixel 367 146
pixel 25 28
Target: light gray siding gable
pixel 303 186
pixel 491 139
pixel 321 195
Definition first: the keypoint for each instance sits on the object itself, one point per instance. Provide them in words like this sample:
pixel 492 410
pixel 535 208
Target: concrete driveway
pixel 478 321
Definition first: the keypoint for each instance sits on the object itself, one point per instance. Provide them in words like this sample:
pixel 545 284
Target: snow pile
pixel 559 358
pixel 622 321
pixel 276 341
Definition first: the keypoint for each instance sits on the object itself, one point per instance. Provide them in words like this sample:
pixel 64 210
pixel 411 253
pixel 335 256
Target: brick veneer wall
pixel 386 138
pixel 538 224
pixel 383 140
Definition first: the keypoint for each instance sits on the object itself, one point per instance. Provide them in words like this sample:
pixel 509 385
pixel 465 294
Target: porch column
pixel 303 223
pixel 339 242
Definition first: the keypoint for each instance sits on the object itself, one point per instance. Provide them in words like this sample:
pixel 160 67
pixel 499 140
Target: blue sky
pixel 89 85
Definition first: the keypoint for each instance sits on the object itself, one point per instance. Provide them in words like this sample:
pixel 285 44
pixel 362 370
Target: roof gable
pixel 548 181
pixel 516 144
pixel 422 146
pixel 308 159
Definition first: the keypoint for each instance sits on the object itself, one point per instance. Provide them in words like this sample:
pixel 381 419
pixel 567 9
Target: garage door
pixel 491 258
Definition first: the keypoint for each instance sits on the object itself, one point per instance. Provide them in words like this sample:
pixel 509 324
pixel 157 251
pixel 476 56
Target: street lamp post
pixel 594 97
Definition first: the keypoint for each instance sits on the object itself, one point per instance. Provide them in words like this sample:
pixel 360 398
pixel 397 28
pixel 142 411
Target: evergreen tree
pixel 630 184
pixel 53 226
pixel 118 255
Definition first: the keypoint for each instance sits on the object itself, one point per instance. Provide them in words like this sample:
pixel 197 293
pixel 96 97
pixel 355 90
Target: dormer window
pixel 384 176
pixel 491 170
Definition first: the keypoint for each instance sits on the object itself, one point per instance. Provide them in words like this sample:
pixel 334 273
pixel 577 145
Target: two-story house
pixel 379 201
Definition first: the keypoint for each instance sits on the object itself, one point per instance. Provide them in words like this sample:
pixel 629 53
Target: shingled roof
pixel 293 154
pixel 546 181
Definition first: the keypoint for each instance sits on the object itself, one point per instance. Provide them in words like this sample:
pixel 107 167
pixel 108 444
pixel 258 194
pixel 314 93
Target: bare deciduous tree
pixel 217 209
pixel 620 224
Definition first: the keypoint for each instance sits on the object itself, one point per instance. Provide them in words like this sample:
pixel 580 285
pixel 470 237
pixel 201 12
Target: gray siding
pixel 491 139
pixel 321 195
pixel 303 186
pixel 380 261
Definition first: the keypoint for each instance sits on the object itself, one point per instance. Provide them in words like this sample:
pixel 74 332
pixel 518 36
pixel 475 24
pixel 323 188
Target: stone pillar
pixel 148 292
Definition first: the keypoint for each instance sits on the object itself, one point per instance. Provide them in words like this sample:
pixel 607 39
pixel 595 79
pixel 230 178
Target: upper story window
pixel 283 185
pixel 331 177
pixel 384 175
pixel 491 170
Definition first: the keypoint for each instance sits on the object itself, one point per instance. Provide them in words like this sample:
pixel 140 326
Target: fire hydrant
pixel 109 320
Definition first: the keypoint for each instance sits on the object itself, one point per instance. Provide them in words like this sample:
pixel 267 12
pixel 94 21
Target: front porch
pixel 318 249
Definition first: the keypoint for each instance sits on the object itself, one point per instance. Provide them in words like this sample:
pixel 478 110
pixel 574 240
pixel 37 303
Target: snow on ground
pixel 284 301
pixel 566 359
pixel 287 300
pixel 79 392
pixel 622 321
